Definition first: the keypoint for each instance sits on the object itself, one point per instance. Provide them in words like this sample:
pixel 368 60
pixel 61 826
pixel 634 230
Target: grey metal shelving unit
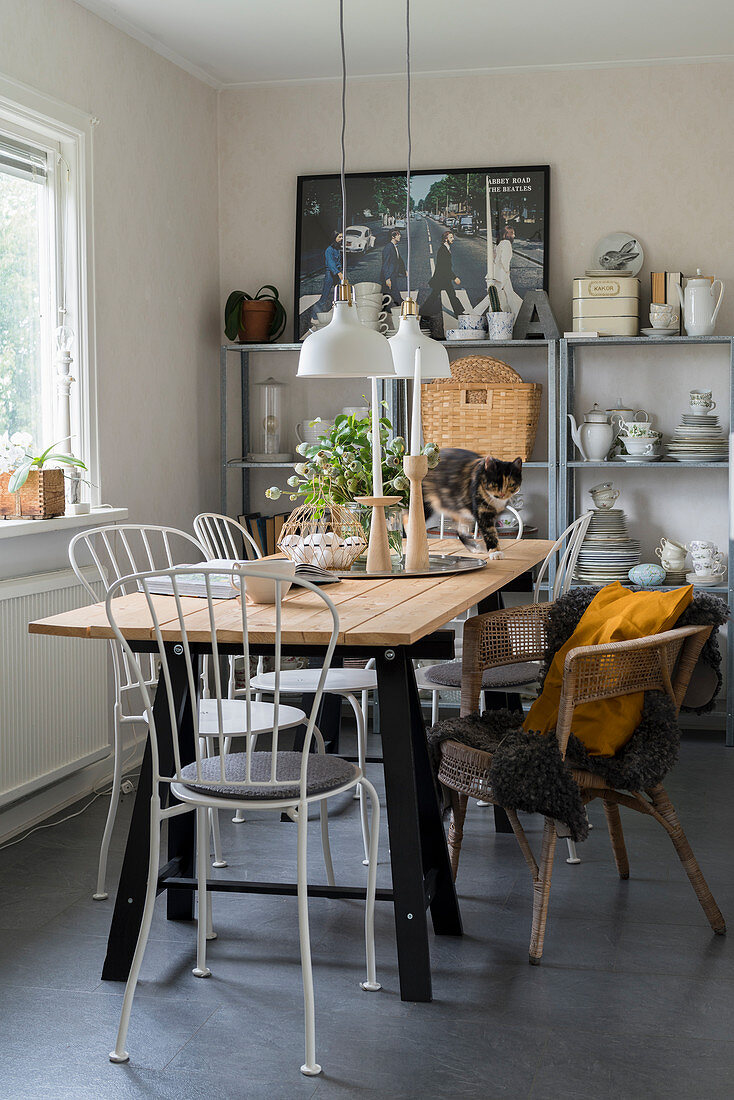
pixel 567 467
pixel 394 392
pixel 243 352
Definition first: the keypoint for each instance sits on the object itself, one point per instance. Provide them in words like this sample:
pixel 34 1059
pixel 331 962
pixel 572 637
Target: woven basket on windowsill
pixel 42 496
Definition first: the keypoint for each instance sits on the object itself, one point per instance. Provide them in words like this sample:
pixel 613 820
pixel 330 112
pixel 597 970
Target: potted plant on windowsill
pixel 28 486
pixel 254 319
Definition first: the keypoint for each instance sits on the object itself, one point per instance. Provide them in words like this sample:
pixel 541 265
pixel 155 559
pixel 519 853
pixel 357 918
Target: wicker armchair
pixel 662 662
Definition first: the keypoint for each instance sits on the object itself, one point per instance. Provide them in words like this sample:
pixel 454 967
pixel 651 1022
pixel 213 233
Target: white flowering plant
pixel 17 459
pixel 13 450
pixel 338 467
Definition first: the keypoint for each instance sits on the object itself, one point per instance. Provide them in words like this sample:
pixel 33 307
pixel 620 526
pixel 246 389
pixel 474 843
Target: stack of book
pixel 663 289
pixel 265 530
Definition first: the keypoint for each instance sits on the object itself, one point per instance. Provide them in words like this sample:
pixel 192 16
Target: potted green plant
pixel 29 484
pixel 254 318
pixel 338 468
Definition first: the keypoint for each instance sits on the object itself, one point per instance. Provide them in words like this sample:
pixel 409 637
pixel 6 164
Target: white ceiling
pixel 230 42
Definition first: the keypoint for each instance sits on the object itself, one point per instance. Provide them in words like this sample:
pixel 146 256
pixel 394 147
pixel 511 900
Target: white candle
pixel 376 446
pixel 415 423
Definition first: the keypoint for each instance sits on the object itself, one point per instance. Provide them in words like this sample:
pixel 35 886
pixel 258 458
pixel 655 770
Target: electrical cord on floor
pixel 106 789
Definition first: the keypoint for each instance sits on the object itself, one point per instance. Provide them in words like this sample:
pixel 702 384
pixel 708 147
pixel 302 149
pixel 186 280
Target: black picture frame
pixel 519 205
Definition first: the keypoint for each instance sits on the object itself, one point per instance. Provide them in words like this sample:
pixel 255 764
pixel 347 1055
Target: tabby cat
pixel 466 487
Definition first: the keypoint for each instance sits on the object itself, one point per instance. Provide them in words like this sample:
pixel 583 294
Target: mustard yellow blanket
pixel 614 615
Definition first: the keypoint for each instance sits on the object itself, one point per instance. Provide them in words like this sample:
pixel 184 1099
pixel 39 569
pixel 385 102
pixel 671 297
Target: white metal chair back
pixel 508 508
pixel 118 550
pixel 573 536
pixel 223 537
pixel 216 731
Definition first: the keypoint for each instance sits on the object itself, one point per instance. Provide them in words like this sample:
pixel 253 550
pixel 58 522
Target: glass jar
pixel 394 520
pixel 269 425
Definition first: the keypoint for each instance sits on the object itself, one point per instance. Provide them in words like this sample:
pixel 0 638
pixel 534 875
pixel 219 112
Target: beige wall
pixel 155 235
pixel 649 150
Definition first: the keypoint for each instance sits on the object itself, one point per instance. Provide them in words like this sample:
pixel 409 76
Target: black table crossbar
pixel 289 889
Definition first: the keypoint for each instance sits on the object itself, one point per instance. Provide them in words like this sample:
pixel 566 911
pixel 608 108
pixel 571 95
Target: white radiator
pixel 55 705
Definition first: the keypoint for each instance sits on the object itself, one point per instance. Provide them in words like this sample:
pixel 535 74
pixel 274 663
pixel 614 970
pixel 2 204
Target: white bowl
pixel 464 334
pixel 262 590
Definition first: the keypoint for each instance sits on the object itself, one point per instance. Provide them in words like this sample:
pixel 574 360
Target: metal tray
pixel 438 564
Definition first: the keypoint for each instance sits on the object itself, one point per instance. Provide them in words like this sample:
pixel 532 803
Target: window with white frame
pixel 46 368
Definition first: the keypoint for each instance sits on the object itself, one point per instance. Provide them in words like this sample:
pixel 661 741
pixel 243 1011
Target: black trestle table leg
pixel 417 841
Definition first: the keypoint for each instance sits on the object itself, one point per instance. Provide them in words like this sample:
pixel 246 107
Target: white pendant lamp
pixel 345 348
pixel 434 359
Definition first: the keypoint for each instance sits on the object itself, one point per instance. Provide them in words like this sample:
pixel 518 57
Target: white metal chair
pixel 272 780
pixel 514 678
pixel 220 535
pixel 113 552
pixel 223 537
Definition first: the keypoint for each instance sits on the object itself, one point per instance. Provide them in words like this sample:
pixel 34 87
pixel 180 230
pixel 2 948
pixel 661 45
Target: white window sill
pixel 10 528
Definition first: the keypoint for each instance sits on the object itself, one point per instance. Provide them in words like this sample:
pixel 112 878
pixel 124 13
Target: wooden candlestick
pixel 378 550
pixel 416 550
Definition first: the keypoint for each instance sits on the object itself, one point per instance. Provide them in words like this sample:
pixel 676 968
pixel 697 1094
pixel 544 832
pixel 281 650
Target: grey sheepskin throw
pixel 527 772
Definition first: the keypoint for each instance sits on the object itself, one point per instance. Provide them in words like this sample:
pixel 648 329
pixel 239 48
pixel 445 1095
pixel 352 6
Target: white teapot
pixel 697 304
pixel 594 437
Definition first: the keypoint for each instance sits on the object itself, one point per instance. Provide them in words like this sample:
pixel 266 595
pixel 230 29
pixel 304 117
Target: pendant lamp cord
pixel 343 142
pixel 410 145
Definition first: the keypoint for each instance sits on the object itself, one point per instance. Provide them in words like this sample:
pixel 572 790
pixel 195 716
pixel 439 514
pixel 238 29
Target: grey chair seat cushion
pixel 449 675
pixel 325 772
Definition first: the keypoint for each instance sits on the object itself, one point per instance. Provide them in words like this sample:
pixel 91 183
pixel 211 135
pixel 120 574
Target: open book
pixel 222 588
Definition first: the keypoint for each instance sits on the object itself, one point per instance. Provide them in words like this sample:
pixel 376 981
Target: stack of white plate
pixel 607 553
pixel 699 439
pixel 675 577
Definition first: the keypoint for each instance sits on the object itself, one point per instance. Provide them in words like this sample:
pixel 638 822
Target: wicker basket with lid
pixel 486 407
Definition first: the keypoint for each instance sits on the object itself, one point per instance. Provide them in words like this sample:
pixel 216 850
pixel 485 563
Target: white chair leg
pixel 372 983
pixel 310 1067
pixel 210 933
pixel 324 815
pixel 119 1054
pixel 572 856
pixel 219 860
pixel 361 755
pixel 201 970
pixel 434 706
pixel 239 816
pixel 325 844
pixel 205 692
pixel 100 893
pixel 231 680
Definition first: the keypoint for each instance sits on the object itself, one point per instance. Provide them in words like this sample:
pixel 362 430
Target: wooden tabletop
pixel 384 611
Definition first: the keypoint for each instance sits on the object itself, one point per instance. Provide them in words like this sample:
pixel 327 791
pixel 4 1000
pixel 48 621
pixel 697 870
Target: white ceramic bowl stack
pixel 607 553
pixel 699 438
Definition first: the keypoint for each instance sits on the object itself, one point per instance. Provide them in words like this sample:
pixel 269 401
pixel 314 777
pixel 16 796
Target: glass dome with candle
pixel 269 423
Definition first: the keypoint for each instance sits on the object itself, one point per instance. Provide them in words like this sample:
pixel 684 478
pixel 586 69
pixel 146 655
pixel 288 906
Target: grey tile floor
pixel 634 998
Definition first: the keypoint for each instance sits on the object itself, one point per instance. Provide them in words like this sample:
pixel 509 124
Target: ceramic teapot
pixel 697 304
pixel 594 437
